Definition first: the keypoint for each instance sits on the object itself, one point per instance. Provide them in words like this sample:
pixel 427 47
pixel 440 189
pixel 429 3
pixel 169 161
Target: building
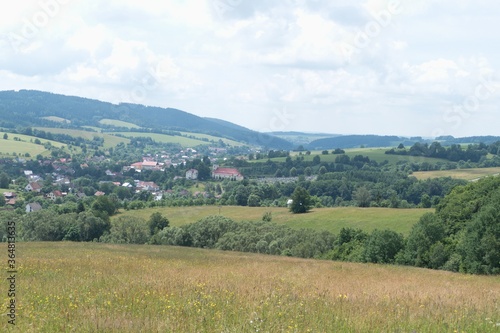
pixel 33 187
pixel 192 174
pixel 226 173
pixel 33 207
pixel 147 186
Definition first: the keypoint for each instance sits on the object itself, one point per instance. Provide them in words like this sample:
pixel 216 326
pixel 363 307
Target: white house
pixel 192 174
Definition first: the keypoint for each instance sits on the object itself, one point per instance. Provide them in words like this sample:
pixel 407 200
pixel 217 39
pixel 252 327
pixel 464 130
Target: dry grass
pixel 467 174
pixel 71 287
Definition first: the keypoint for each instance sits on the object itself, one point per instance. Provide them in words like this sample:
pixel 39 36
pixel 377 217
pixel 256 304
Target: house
pixel 192 174
pixel 99 194
pixel 147 186
pixel 9 195
pixel 226 173
pixel 33 187
pixel 149 165
pixel 33 207
pixel 54 195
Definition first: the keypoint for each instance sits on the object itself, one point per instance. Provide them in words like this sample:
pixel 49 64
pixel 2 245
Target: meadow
pixel 26 145
pixel 118 123
pixel 466 174
pixel 164 138
pixel 95 287
pixel 109 140
pixel 375 154
pixel 329 219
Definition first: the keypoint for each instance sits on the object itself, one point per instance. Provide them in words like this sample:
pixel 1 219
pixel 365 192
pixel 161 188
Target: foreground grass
pixel 466 174
pixel 89 287
pixel 330 219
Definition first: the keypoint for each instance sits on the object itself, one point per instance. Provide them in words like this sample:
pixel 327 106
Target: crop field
pixel 118 123
pixel 109 140
pixel 25 145
pixel 330 219
pixel 466 174
pixel 164 138
pixel 95 287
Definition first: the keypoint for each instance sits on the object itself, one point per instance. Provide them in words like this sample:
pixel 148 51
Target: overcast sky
pixel 419 67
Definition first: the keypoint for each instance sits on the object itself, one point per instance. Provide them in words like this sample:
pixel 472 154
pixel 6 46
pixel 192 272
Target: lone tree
pixel 301 201
pixel 157 222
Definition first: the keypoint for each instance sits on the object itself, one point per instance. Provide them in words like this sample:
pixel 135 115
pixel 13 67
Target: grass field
pixel 57 119
pixel 95 287
pixel 467 174
pixel 213 138
pixel 375 154
pixel 26 145
pixel 330 219
pixel 118 123
pixel 164 138
pixel 109 140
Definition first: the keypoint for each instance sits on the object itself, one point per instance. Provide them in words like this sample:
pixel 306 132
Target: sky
pixel 389 67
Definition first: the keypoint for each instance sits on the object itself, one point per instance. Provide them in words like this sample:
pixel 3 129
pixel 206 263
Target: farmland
pixel 467 174
pixel 93 287
pixel 329 219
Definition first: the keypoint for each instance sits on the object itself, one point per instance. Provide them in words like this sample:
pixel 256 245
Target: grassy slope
pixel 25 146
pixel 467 174
pixel 331 219
pixel 109 140
pixel 57 119
pixel 92 287
pixel 213 138
pixel 164 138
pixel 118 123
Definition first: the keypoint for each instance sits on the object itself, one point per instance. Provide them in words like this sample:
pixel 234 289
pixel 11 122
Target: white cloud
pixel 256 57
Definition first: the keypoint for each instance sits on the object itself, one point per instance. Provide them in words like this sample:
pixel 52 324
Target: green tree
pixel 157 222
pixel 5 136
pixel 301 201
pixel 362 196
pixel 4 180
pixel 253 200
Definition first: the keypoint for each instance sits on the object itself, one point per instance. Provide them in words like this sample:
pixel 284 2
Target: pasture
pixel 57 119
pixel 25 145
pixel 466 174
pixel 329 219
pixel 165 138
pixel 109 140
pixel 375 154
pixel 96 287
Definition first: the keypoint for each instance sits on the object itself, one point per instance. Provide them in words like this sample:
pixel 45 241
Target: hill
pixel 356 141
pixel 29 108
pixel 95 287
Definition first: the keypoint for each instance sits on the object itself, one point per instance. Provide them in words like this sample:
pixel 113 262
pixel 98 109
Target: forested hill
pixel 29 107
pixel 353 141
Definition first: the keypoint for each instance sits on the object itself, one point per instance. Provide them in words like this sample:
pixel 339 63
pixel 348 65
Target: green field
pixel 164 138
pixel 109 140
pixel 330 219
pixel 118 123
pixel 96 287
pixel 375 154
pixel 212 138
pixel 466 174
pixel 57 119
pixel 26 145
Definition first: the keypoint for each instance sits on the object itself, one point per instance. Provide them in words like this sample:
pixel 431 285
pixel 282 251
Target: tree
pixel 322 170
pixel 316 160
pixel 293 172
pixel 253 200
pixel 362 196
pixel 4 180
pixel 157 222
pixel 308 171
pixel 5 136
pixel 301 201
